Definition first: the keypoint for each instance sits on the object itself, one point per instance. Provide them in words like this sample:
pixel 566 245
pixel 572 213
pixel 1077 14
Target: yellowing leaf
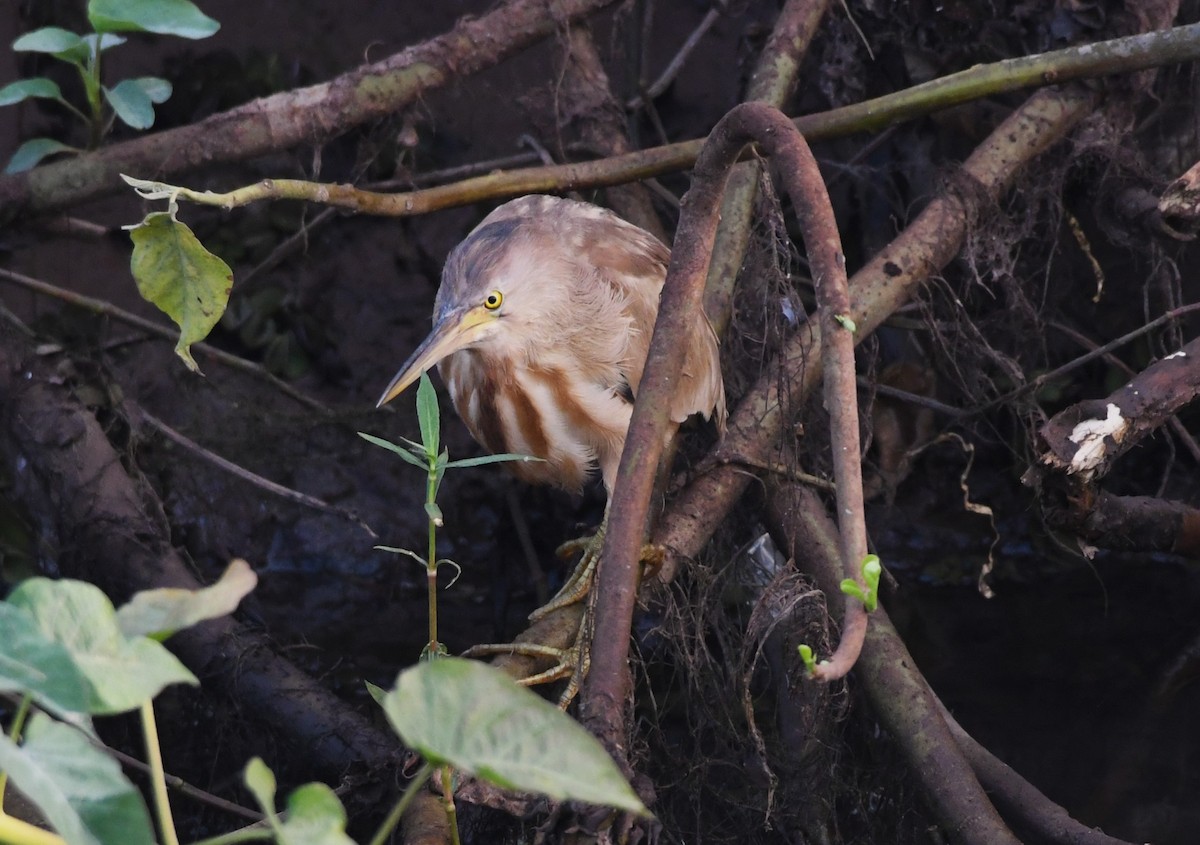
pixel 159 613
pixel 175 272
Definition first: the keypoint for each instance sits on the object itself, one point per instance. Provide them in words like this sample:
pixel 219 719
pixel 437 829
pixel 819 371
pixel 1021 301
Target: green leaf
pixel 377 692
pixel 122 672
pixel 477 719
pixel 427 415
pixel 130 104
pixel 155 87
pixel 160 613
pixel 164 17
pixel 25 89
pixel 315 817
pixel 490 459
pixel 260 780
pixel 49 39
pixel 419 462
pixel 78 787
pixel 99 42
pixel 435 514
pixel 175 272
pixel 133 99
pixel 33 151
pixel 806 657
pixel 31 663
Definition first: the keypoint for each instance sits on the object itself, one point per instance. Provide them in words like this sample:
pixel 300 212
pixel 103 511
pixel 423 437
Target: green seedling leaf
pixel 29 154
pixel 490 459
pixel 396 550
pixel 32 663
pixel 418 461
pixel 433 651
pixel 428 414
pixel 871 570
pixel 164 17
pixel 260 780
pixel 78 788
pixel 846 323
pixel 133 99
pixel 315 817
pixel 175 272
pixel 806 657
pixel 131 105
pixel 98 42
pixel 445 561
pixel 49 39
pixel 25 89
pixel 122 672
pixel 477 719
pixel 435 514
pixel 377 692
pixel 160 613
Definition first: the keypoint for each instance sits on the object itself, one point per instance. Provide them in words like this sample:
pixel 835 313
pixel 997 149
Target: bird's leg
pixel 579 584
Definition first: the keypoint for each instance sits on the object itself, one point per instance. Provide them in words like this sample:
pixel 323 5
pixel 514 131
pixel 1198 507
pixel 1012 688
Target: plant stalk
pixel 393 818
pixel 431 563
pixel 14 733
pixel 162 803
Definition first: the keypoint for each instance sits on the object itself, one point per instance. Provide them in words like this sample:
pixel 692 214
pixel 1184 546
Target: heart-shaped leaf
pixel 477 719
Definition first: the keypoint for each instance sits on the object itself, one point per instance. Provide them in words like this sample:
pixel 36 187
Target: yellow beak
pixel 457 330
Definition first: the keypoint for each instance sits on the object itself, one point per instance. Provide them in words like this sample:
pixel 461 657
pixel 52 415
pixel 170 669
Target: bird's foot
pixel 579 584
pixel 566 618
pixel 569 661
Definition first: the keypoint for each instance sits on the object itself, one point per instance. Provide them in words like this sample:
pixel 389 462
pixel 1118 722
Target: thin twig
pixel 1099 351
pixel 658 86
pixel 779 469
pixel 177 783
pixel 615 592
pixel 107 309
pixel 912 398
pixel 246 475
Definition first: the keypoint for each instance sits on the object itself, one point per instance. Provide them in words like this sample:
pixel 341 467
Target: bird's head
pixel 487 296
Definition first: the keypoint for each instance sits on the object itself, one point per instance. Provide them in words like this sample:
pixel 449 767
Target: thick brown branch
pixel 880 287
pixel 604 690
pixel 1021 801
pixel 772 82
pixel 898 692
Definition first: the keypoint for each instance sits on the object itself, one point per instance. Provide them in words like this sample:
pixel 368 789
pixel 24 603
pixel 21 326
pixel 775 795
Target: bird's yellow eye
pixel 493 301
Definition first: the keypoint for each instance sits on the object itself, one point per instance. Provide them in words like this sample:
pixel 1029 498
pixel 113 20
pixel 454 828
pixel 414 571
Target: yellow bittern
pixel 540 331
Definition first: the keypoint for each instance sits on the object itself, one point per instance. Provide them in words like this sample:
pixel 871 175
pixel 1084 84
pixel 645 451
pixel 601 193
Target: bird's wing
pixel 636 265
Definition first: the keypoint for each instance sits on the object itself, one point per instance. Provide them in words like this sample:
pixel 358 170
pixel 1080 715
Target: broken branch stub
pixel 1081 444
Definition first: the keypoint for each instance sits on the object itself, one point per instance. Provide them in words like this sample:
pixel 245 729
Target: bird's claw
pixel 570 664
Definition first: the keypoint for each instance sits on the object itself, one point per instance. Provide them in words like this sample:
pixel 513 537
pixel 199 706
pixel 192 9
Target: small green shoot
pixel 806 656
pixel 846 323
pixel 429 457
pixel 871 570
